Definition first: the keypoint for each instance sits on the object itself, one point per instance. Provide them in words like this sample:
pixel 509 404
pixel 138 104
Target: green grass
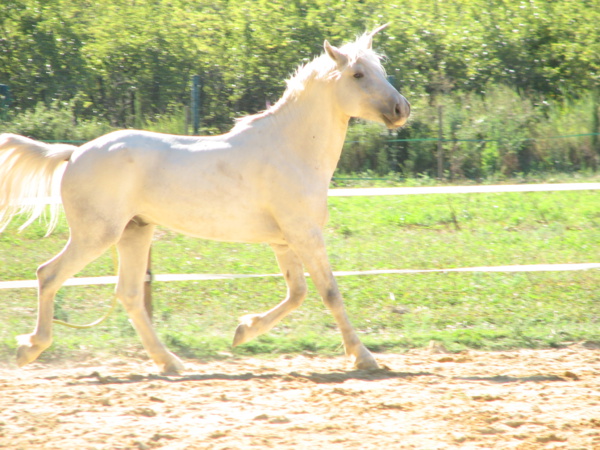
pixel 391 312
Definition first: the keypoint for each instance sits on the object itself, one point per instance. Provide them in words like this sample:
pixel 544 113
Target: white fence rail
pixel 88 281
pixel 480 189
pixel 360 192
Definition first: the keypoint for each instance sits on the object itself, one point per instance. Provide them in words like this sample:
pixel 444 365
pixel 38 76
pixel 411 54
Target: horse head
pixel 361 85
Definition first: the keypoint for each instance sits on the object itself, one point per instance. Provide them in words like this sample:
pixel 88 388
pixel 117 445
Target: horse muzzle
pixel 398 114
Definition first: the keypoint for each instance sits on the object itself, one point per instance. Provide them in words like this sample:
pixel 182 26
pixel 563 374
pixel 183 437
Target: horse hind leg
pixel 253 325
pixel 133 248
pixel 80 250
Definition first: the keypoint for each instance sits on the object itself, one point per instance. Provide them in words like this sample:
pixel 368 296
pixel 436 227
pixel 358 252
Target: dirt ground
pixel 424 399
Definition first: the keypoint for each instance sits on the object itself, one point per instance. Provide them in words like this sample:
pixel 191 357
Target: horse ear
pixel 373 33
pixel 334 53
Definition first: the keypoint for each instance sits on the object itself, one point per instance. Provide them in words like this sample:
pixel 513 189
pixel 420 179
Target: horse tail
pixel 30 174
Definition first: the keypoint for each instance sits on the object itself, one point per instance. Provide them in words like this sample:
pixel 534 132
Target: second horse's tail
pixel 30 174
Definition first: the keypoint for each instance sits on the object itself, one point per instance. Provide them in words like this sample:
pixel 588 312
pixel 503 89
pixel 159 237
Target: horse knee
pixel 333 299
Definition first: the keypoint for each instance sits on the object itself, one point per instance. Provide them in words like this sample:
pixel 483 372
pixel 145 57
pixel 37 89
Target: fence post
pixel 148 287
pixel 186 118
pixel 195 104
pixel 596 121
pixel 440 147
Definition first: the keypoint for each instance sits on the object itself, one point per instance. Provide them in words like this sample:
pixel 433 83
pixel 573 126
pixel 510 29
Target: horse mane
pixel 322 67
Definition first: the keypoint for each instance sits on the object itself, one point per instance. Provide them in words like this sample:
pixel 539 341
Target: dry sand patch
pixel 424 399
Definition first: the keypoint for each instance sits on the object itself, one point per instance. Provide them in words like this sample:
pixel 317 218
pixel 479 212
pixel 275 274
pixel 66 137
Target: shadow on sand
pixel 319 378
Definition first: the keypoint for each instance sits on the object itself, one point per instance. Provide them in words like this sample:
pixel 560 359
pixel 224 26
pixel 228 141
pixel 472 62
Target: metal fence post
pixel 195 104
pixel 148 287
pixel 440 147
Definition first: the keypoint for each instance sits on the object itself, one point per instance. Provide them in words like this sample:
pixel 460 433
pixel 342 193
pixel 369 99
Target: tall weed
pixel 575 118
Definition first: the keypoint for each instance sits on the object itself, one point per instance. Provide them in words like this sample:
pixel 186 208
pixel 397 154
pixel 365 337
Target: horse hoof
pixel 366 361
pixel 27 351
pixel 240 336
pixel 172 367
pixel 246 330
pixel 366 365
pixel 27 354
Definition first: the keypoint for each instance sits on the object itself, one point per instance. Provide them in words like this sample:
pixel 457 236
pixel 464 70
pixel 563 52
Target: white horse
pixel 264 181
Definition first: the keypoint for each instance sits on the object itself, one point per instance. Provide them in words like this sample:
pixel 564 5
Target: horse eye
pixel 358 75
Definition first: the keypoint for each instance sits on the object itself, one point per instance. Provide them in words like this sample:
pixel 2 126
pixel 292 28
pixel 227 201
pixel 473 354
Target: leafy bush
pixel 55 122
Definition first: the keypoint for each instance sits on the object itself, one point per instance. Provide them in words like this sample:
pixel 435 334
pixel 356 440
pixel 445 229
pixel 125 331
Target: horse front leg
pixel 253 325
pixel 311 249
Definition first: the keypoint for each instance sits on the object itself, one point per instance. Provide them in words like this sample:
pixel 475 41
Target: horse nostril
pixel 402 109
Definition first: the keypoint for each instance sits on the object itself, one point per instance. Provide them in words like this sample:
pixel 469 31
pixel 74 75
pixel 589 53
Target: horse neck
pixel 315 125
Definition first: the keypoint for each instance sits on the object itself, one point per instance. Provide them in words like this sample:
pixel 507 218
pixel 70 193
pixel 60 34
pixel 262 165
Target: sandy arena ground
pixel 424 399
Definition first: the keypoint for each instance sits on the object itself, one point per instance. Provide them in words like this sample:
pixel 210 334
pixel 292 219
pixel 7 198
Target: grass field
pixel 391 312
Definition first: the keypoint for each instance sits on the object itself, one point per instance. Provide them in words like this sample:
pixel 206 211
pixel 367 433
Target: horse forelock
pixel 361 48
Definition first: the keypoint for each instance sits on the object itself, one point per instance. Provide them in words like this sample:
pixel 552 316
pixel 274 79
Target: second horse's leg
pixel 133 249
